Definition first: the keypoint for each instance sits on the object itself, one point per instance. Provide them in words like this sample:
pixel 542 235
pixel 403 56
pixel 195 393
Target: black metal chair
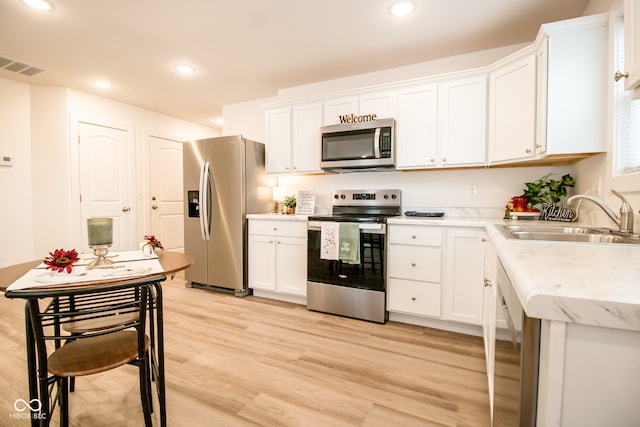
pixel 91 348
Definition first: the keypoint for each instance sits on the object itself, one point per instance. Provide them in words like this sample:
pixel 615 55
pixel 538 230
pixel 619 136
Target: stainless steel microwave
pixel 358 146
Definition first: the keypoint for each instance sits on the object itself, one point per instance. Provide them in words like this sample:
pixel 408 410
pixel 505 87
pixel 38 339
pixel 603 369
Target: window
pixel 627 137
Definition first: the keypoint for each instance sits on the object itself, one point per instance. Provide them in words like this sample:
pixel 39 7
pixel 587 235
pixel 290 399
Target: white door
pixel 166 204
pixel 106 182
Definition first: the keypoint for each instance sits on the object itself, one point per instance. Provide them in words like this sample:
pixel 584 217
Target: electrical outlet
pixel 6 160
pixel 473 190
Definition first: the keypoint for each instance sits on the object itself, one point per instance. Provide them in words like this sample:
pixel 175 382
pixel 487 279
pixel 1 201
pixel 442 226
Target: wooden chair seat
pixel 110 320
pixel 95 354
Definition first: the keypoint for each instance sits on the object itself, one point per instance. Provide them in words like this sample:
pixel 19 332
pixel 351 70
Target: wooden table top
pixel 171 263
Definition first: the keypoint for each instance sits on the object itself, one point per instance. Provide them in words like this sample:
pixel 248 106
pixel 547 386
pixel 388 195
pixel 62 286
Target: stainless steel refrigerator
pixel 224 180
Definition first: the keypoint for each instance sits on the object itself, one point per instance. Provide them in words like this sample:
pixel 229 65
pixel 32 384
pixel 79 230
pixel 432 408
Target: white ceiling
pixel 248 49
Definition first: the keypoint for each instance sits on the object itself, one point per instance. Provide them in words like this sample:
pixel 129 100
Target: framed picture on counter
pixel 305 203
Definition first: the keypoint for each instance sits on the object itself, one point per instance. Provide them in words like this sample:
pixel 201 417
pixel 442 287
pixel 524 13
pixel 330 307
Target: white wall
pixel 16 213
pixel 37 193
pixel 433 190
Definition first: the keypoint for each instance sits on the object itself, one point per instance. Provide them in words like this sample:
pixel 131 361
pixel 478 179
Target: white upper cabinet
pixel 442 124
pixel 632 43
pixel 278 140
pixel 382 104
pixel 512 109
pixel 462 121
pixel 293 138
pixel 417 127
pixel 305 146
pixel 570 119
pixel 334 108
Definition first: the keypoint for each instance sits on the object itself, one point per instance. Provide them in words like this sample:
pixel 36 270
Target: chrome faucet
pixel 624 221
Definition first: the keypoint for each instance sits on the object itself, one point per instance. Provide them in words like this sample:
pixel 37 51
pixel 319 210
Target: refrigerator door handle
pixel 205 188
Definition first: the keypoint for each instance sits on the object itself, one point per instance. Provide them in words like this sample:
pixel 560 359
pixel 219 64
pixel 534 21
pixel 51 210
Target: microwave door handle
pixel 376 143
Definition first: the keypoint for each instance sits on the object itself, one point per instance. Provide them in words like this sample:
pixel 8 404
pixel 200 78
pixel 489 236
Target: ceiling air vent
pixel 19 67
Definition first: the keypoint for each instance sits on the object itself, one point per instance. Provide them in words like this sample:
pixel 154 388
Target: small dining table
pixel 170 262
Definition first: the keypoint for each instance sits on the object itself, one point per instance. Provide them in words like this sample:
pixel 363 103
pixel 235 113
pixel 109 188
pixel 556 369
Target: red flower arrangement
pixel 151 240
pixel 61 260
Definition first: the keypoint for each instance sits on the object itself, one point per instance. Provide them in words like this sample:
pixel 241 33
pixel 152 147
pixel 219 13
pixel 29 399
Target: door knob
pixel 154 207
pixel 126 209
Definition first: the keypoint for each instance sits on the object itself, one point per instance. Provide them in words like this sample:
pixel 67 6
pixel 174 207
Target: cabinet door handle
pixel 413 264
pixel 619 75
pixel 528 150
pixel 487 282
pixel 413 298
pixel 413 236
pixel 126 209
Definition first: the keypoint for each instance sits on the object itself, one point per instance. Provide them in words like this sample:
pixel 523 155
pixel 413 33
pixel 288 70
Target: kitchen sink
pixel 566 234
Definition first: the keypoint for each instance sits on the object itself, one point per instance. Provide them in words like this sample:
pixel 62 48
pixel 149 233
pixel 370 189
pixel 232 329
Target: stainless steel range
pixel 346 267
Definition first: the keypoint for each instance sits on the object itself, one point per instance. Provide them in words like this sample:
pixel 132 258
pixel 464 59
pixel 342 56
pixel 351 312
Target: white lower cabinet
pixel 278 256
pixel 414 270
pixel 436 272
pixel 462 296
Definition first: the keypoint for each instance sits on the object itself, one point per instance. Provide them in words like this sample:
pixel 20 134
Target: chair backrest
pixel 118 306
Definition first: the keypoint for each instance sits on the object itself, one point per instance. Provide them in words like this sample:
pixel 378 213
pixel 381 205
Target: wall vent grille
pixel 19 67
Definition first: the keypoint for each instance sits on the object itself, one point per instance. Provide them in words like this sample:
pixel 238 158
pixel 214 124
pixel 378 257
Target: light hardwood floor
pixel 252 361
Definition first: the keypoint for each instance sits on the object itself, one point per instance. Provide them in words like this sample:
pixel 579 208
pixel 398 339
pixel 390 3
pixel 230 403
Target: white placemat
pixel 125 264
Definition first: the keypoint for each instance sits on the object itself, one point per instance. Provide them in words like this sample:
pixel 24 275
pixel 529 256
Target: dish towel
pixel 349 239
pixel 329 232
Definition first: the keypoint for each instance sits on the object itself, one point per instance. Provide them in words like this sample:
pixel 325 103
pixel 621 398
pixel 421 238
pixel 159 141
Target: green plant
pixel 546 190
pixel 290 201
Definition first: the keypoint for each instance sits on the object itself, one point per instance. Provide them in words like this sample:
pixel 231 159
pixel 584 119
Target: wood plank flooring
pixel 257 362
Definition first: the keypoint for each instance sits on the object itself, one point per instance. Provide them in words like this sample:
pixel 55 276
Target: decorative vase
pixel 147 248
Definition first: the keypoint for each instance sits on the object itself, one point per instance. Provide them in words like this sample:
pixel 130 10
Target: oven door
pixel 368 274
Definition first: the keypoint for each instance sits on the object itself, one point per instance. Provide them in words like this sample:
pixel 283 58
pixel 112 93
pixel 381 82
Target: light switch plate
pixel 6 161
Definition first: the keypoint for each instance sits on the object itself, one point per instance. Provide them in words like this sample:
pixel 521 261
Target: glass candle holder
pixel 100 233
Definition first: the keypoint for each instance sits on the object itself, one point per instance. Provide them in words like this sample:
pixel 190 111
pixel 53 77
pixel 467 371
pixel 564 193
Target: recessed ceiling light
pixel 219 121
pixel 185 69
pixel 39 4
pixel 402 8
pixel 102 84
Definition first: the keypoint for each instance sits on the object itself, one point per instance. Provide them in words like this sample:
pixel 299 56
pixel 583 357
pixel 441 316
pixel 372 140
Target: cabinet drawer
pixel 413 235
pixel 413 297
pixel 415 262
pixel 278 228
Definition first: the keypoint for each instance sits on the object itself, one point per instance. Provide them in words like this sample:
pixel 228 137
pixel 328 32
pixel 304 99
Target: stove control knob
pixel 342 196
pixel 335 196
pixel 386 196
pixel 393 196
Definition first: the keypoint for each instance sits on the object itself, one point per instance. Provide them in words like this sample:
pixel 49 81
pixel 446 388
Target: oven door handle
pixel 364 228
